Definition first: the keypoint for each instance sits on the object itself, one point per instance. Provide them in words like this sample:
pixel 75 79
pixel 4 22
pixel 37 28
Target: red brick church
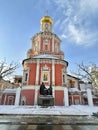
pixel 45 63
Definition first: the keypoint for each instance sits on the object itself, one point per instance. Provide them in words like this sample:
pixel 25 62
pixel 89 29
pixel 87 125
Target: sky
pixel 74 21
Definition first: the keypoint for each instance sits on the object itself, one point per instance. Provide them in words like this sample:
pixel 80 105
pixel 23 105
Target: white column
pixel 5 99
pixel 17 99
pixel 66 98
pixel 53 91
pixel 66 80
pixel 37 72
pixel 53 72
pixel 80 99
pixel 89 96
pixel 36 95
pixel 72 98
pixel 53 44
pixel 39 43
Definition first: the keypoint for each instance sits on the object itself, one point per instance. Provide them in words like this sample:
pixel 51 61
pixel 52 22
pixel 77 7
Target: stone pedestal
pixel 46 101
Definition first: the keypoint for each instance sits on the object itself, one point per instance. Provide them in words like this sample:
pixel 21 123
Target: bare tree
pixel 7 69
pixel 88 74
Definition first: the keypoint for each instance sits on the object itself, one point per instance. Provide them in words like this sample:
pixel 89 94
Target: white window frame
pixel 44 70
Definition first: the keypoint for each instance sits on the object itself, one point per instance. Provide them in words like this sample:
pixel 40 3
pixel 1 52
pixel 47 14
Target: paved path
pixel 48 127
pixel 47 120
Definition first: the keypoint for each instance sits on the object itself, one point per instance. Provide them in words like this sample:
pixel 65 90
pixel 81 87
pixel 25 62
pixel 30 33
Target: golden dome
pixel 46 19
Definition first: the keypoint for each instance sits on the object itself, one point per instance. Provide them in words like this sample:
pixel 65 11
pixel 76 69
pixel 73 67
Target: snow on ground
pixel 53 110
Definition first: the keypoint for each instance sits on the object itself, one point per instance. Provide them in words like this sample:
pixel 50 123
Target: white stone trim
pixel 66 97
pixel 17 99
pixel 28 87
pixel 89 97
pixel 65 75
pixel 53 72
pixel 33 87
pixel 5 97
pixel 39 42
pixel 59 88
pixel 36 95
pixel 24 73
pixel 53 44
pixel 53 91
pixel 45 69
pixel 37 72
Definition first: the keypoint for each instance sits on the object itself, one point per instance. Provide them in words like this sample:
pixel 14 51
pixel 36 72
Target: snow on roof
pixel 17 76
pixel 10 90
pixel 70 75
pixel 45 56
pixel 73 90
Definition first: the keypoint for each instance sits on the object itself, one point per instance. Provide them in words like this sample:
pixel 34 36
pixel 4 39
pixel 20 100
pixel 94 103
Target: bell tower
pixel 44 63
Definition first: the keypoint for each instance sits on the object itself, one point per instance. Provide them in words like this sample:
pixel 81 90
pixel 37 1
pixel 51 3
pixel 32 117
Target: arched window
pixel 10 100
pixel 46 46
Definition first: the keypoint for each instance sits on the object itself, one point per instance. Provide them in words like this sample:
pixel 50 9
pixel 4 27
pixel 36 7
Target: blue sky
pixel 75 22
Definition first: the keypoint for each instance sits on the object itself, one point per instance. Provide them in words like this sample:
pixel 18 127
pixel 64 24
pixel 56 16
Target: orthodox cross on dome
pixel 46 12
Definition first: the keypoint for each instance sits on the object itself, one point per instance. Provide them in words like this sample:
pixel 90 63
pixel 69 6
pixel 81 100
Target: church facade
pixel 45 63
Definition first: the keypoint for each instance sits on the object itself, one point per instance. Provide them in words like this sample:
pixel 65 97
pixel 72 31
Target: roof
pixel 73 90
pixel 17 76
pixel 10 91
pixel 6 82
pixel 73 76
pixel 44 56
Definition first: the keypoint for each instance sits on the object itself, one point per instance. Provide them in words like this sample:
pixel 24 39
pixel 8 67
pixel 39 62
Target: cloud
pixel 80 18
pixel 81 37
pixel 63 36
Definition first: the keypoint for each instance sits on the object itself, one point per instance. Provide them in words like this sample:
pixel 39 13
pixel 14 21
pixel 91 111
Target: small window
pixel 63 78
pixel 26 76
